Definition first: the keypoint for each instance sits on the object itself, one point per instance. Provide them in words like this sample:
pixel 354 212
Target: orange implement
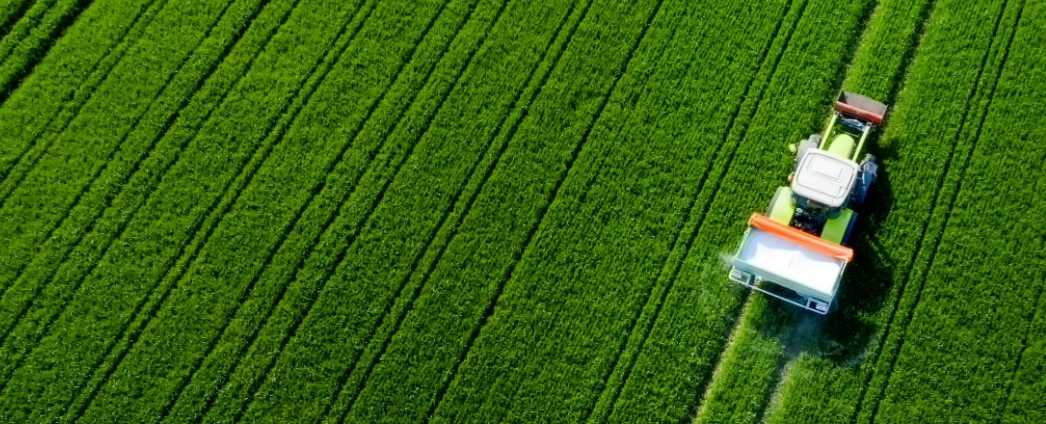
pixel 857 112
pixel 797 236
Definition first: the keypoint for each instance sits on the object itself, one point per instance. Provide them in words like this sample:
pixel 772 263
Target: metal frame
pixel 866 130
pixel 752 281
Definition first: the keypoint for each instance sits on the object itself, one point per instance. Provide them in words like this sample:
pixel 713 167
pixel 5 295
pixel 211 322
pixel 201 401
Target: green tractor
pixel 796 251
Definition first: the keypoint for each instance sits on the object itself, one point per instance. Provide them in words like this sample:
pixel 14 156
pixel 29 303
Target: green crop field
pixel 506 210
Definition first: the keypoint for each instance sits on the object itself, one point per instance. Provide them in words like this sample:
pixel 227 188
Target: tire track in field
pixel 1034 315
pixel 39 52
pixel 702 181
pixel 20 30
pixel 245 175
pixel 938 194
pixel 343 253
pixel 123 226
pixel 135 168
pixel 212 398
pixel 522 107
pixel 542 213
pixel 949 208
pixel 152 146
pixel 122 44
pixel 9 23
pixel 315 191
pixel 50 232
pixel 703 387
pixel 118 147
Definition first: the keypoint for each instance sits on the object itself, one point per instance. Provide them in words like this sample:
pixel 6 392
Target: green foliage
pixel 109 263
pixel 489 210
pixel 31 36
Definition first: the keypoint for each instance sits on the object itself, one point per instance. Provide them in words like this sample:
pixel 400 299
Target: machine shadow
pixel 843 336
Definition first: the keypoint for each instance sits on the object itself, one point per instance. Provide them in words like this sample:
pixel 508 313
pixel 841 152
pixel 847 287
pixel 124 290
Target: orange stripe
pixel 818 244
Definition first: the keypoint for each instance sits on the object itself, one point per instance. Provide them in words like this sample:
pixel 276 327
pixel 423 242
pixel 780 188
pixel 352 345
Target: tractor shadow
pixel 844 335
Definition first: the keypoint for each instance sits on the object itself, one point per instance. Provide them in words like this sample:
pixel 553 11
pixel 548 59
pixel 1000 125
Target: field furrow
pixel 206 224
pixel 518 395
pixel 507 151
pixel 10 12
pixel 32 37
pixel 767 338
pixel 21 28
pixel 1022 402
pixel 351 383
pixel 174 213
pixel 45 207
pixel 336 191
pixel 17 112
pixel 40 147
pixel 112 172
pixel 138 143
pixel 963 143
pixel 310 297
pixel 71 82
pixel 210 276
pixel 961 373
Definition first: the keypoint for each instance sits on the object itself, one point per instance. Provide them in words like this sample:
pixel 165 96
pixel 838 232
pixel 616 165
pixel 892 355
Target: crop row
pixel 912 230
pixel 30 38
pixel 1024 402
pixel 56 219
pixel 979 286
pixel 44 121
pixel 10 12
pixel 74 67
pixel 601 259
pixel 108 140
pixel 78 331
pixel 532 99
pixel 272 312
pixel 33 145
pixel 210 289
pixel 1002 18
pixel 707 189
pixel 507 209
pixel 357 286
pixel 451 298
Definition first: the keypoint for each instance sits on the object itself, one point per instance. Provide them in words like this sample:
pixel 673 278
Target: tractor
pixel 797 252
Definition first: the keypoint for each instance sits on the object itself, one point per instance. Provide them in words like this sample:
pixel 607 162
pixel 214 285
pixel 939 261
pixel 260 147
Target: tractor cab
pixel 825 178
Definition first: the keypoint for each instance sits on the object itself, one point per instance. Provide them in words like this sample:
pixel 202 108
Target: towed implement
pixel 797 251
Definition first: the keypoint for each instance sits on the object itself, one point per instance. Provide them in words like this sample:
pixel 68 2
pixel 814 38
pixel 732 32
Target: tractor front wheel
pixel 807 144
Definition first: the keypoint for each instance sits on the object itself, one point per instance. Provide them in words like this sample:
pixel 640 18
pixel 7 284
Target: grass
pixel 23 46
pixel 488 210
